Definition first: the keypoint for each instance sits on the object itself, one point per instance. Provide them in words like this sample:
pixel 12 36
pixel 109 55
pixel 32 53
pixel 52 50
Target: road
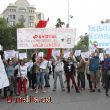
pixel 62 101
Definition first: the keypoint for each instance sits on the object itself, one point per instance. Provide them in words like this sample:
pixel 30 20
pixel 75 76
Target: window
pixel 11 17
pixel 12 23
pixel 31 24
pixel 31 18
pixel 22 9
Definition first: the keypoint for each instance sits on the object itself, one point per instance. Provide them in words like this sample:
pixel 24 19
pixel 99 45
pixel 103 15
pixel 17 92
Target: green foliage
pixel 59 23
pixel 83 43
pixel 8 36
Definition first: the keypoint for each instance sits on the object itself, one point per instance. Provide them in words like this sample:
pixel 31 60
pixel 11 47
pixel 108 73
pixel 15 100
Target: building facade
pixel 22 12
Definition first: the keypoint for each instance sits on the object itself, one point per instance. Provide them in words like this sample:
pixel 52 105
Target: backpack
pixel 94 64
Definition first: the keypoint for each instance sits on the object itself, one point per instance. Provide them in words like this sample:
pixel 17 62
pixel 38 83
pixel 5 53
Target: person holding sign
pixel 58 72
pixel 10 73
pixel 69 69
pixel 94 68
pixel 22 77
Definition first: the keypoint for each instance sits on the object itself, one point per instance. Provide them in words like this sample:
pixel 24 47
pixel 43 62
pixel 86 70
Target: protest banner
pixel 31 38
pixel 4 82
pixel 99 35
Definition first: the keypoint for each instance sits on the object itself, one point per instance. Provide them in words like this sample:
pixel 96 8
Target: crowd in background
pixel 75 70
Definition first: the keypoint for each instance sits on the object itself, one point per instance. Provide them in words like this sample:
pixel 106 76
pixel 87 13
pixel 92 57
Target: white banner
pixel 99 35
pixel 4 82
pixel 30 38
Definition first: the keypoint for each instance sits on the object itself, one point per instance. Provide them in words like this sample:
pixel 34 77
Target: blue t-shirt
pixel 10 70
pixel 106 63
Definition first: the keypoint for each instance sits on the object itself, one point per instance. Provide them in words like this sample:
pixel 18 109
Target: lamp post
pixel 69 16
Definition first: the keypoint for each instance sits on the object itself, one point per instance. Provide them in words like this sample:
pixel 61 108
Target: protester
pixel 22 77
pixel 58 72
pixel 12 80
pixel 94 68
pixel 87 72
pixel 81 76
pixel 69 69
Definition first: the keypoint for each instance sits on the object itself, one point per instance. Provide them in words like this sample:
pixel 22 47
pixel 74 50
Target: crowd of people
pixel 75 70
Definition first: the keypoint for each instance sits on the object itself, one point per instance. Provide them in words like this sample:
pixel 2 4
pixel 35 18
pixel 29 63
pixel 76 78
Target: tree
pixel 8 36
pixel 59 23
pixel 83 43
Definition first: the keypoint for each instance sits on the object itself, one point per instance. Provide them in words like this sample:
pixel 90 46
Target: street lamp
pixel 69 16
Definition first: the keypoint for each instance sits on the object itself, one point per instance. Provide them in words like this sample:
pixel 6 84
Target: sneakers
pixel 99 90
pixel 44 91
pixel 107 94
pixel 92 90
pixel 63 89
pixel 54 89
pixel 36 92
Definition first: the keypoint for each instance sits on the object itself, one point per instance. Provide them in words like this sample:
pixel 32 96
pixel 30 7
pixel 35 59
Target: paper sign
pixel 77 52
pixel 66 54
pixel 41 54
pixel 85 54
pixel 22 55
pixel 57 53
pixel 92 49
pixel 101 57
pixel 108 52
pixel 4 82
pixel 9 54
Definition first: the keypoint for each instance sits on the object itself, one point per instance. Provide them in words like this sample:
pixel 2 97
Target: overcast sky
pixel 84 12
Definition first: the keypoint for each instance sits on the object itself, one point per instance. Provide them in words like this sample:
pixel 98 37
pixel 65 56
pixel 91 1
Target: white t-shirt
pixel 22 70
pixel 44 64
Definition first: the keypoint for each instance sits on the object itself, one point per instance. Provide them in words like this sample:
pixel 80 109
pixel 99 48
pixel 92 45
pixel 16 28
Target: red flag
pixel 42 23
pixel 49 53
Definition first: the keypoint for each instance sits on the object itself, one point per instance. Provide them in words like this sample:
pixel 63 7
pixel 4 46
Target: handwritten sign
pixel 41 54
pixel 66 54
pixel 77 52
pixel 4 82
pixel 9 54
pixel 22 55
pixel 30 38
pixel 99 35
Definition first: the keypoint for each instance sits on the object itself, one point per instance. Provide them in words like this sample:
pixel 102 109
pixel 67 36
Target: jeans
pixel 81 79
pixel 107 84
pixel 40 78
pixel 46 79
pixel 89 81
pixel 29 75
pixel 95 77
pixel 56 75
pixel 68 77
pixel 33 80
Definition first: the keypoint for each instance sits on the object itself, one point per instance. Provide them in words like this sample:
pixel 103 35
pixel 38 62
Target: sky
pixel 84 12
